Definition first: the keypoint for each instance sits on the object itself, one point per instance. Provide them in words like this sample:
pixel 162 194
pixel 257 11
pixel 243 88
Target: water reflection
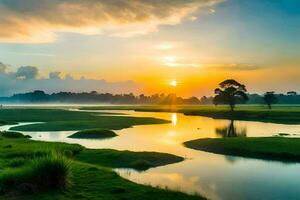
pixel 215 176
pixel 231 131
pixel 174 119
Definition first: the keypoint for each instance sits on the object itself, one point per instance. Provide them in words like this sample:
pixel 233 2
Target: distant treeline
pixel 94 97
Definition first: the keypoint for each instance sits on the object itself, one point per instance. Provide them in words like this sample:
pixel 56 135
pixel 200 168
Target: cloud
pixel 233 67
pixel 39 20
pixel 174 61
pixel 31 54
pixel 25 80
pixel 27 72
pixel 3 68
pixel 54 75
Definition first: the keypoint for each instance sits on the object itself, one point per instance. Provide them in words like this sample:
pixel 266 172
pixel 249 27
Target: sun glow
pixel 169 59
pixel 173 83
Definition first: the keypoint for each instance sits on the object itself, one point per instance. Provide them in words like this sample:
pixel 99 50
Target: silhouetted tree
pixel 291 93
pixel 230 92
pixel 231 131
pixel 191 101
pixel 270 98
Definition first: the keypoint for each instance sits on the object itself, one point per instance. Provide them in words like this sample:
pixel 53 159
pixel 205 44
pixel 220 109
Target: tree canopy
pixel 270 98
pixel 230 92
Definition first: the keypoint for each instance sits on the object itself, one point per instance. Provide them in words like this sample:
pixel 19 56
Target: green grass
pixel 12 134
pixel 93 134
pixel 127 159
pixel 88 171
pixel 94 182
pixel 64 120
pixel 270 148
pixel 51 172
pixel 286 114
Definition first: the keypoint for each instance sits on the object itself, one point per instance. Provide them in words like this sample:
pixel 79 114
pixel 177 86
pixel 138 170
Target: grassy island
pixel 66 120
pixel 270 148
pixel 93 134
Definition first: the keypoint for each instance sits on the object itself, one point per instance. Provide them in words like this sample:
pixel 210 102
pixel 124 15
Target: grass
pixel 127 159
pixel 12 134
pixel 26 168
pixel 51 172
pixel 93 134
pixel 286 114
pixel 270 148
pixel 65 120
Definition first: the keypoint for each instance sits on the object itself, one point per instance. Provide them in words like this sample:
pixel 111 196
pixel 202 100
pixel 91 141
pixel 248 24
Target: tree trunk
pixel 231 131
pixel 232 107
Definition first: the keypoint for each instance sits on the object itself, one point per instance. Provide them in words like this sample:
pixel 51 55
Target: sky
pixel 185 47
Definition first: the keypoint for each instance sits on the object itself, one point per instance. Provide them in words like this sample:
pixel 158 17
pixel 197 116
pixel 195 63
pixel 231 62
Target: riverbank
pixel 90 178
pixel 66 120
pixel 269 148
pixel 285 114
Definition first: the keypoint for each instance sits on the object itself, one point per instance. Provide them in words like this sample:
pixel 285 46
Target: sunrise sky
pixel 149 46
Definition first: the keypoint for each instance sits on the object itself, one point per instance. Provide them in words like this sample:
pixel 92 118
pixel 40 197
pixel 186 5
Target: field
pixel 286 114
pixel 65 120
pixel 91 173
pixel 271 148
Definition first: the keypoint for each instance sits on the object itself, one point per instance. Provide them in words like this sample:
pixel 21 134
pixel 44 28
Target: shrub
pixel 97 133
pixel 11 134
pixel 17 162
pixel 141 164
pixel 51 172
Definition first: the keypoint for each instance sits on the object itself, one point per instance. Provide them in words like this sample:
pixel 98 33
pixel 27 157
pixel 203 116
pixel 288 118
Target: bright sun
pixel 173 83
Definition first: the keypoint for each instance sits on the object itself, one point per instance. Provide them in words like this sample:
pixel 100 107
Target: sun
pixel 173 83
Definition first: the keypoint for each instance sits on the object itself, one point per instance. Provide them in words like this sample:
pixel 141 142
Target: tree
pixel 230 92
pixel 291 93
pixel 231 131
pixel 270 98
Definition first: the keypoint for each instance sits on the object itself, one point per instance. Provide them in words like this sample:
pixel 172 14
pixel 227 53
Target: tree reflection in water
pixel 231 131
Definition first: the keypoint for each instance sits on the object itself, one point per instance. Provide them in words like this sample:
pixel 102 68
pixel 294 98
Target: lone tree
pixel 270 98
pixel 230 92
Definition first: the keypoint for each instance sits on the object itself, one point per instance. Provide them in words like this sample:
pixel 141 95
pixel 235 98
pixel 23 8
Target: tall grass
pixel 51 172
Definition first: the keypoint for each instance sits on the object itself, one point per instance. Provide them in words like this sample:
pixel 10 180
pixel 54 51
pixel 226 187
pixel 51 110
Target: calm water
pixel 212 175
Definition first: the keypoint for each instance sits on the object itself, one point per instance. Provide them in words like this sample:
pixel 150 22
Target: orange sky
pixel 197 43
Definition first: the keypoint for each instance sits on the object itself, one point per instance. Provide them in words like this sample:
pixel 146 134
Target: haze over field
pixel 153 46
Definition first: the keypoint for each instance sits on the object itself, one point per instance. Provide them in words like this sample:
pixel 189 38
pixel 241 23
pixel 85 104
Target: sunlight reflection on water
pixel 214 176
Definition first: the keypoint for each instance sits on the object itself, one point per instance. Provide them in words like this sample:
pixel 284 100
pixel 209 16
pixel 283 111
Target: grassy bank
pixel 127 159
pixel 287 114
pixel 64 120
pixel 271 148
pixel 91 176
pixel 93 134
